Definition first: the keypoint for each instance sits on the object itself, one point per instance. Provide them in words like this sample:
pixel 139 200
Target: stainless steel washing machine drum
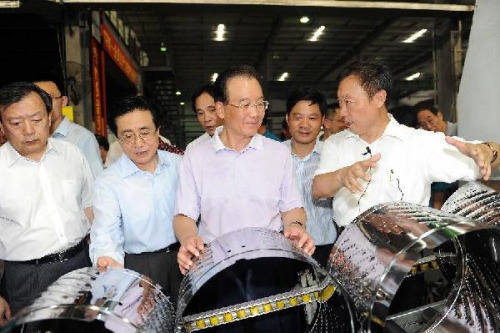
pixel 254 279
pixel 409 268
pixel 86 300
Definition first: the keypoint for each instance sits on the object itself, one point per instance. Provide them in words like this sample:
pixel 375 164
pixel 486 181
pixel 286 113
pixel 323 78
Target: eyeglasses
pixel 58 97
pixel 129 138
pixel 246 106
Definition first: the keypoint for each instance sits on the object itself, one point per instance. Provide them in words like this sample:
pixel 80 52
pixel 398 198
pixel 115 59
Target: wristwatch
pixel 495 153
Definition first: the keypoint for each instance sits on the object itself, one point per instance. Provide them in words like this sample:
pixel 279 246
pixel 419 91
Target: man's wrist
pixel 495 152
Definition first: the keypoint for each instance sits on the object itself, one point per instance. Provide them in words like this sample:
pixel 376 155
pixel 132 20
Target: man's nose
pixel 28 127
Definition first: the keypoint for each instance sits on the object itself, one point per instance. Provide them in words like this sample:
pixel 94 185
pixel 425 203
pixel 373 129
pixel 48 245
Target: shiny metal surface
pixel 397 246
pixel 312 287
pixel 475 201
pixel 476 309
pixel 86 300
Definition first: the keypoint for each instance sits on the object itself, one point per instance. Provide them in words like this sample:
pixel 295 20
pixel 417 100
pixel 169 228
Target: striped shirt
pixel 320 224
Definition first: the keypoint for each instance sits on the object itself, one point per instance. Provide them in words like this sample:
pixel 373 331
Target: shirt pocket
pixel 72 192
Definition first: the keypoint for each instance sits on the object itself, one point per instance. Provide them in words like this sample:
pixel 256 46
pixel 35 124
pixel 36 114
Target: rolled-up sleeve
pixel 188 198
pixel 329 161
pixel 106 233
pixel 290 194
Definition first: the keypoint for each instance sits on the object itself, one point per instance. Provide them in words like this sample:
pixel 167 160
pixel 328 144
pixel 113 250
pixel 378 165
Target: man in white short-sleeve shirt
pixel 378 160
pixel 45 199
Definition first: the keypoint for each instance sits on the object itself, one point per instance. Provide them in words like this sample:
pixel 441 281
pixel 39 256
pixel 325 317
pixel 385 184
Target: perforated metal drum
pixel 410 268
pixel 86 300
pixel 255 279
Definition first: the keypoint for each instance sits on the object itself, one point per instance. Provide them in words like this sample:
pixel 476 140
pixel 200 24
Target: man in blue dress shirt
pixel 134 200
pixel 305 112
pixel 63 129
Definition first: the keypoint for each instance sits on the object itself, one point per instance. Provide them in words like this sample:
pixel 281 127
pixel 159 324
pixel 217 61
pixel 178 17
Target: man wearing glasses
pixel 134 200
pixel 63 129
pixel 377 160
pixel 45 201
pixel 239 179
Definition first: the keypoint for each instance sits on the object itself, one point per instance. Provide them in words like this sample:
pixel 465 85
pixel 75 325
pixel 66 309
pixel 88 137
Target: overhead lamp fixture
pixel 317 33
pixel 221 30
pixel 163 47
pixel 283 76
pixel 304 19
pixel 178 93
pixel 413 76
pixel 181 103
pixel 415 36
pixel 214 76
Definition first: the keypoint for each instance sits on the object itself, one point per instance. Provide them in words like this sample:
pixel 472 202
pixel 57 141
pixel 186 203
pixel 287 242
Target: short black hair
pixel 306 94
pixel 129 104
pixel 373 77
pixel 208 88
pixel 405 114
pixel 15 92
pixel 102 141
pixel 428 104
pixel 59 82
pixel 220 85
pixel 331 109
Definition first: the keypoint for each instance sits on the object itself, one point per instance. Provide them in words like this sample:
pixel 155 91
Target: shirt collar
pixel 63 128
pixel 393 129
pixel 128 167
pixel 13 155
pixel 257 141
pixel 316 150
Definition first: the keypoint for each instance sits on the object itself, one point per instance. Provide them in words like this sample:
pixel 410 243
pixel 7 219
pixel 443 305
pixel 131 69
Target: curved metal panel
pixel 302 283
pixel 118 300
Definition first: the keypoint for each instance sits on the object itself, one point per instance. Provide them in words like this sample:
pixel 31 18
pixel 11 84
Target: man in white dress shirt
pixel 45 198
pixel 203 104
pixel 377 160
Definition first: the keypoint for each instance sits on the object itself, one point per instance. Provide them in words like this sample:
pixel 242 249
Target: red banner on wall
pixel 113 48
pixel 100 126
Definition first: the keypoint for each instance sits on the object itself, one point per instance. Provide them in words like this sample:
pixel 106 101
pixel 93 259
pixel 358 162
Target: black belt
pixel 57 257
pixel 171 248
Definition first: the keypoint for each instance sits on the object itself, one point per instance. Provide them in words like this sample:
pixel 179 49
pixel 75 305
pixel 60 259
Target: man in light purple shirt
pixel 238 178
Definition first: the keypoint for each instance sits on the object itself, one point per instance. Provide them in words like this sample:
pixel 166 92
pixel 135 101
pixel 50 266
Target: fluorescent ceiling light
pixel 283 76
pixel 304 19
pixel 221 30
pixel 178 92
pixel 214 76
pixel 415 36
pixel 181 103
pixel 317 33
pixel 413 76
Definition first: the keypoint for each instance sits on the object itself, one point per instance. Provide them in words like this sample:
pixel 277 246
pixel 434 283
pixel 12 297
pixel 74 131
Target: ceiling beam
pixel 356 50
pixel 300 3
pixel 271 37
pixel 408 65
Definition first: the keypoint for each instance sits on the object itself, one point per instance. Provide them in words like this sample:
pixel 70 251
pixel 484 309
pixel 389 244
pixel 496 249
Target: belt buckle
pixel 167 249
pixel 60 257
